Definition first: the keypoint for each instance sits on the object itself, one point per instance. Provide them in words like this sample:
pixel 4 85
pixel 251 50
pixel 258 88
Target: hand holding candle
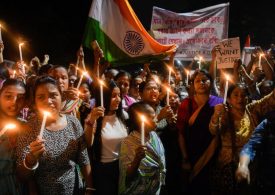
pixel 142 133
pixel 7 127
pixel 45 115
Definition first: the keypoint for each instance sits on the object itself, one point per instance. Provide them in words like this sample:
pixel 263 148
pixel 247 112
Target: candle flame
pixel 20 44
pixel 187 71
pixel 101 82
pixel 227 77
pixel 10 126
pixel 84 73
pixel 46 113
pixel 142 117
pixel 261 54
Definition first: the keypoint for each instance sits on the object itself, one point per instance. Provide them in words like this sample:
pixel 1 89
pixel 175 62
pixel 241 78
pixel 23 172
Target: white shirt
pixel 112 133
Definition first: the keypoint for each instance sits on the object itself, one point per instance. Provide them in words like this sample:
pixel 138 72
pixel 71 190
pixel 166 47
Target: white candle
pixel 142 130
pixel 101 93
pixel 167 96
pixel 45 115
pixel 7 127
pixel 20 51
pixel 169 74
pixel 1 33
pixel 225 89
pixel 260 61
pixel 80 80
pixel 14 74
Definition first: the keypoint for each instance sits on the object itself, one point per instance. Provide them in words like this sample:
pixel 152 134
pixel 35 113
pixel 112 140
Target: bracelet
pixel 89 189
pixel 33 168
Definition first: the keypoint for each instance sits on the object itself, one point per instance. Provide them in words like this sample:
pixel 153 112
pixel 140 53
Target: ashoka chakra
pixel 133 42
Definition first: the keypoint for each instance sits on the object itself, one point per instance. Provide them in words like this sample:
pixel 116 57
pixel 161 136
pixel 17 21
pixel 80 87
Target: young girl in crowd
pixel 52 158
pixel 142 168
pixel 85 94
pixel 106 125
pixel 12 98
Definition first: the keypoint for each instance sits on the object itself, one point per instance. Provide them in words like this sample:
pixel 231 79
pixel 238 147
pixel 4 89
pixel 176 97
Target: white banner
pixel 228 52
pixel 196 33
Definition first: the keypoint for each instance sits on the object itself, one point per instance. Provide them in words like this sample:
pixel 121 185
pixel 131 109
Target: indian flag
pixel 120 34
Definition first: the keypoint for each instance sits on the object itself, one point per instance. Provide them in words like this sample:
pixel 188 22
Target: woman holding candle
pixel 195 140
pixel 12 99
pixel 142 168
pixel 70 99
pixel 104 130
pixel 123 80
pixel 237 123
pixel 53 158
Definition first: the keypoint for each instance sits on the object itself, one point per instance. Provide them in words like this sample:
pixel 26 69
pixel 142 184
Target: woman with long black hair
pixel 105 129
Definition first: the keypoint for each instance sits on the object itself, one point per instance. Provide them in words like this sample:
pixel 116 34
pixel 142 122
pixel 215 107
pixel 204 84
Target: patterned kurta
pixel 151 171
pixel 65 148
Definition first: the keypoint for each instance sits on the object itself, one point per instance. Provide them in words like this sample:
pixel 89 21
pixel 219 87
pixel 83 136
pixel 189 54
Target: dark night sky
pixel 56 27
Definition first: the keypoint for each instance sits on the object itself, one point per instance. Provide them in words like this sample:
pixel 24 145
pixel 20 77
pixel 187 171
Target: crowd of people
pixel 113 132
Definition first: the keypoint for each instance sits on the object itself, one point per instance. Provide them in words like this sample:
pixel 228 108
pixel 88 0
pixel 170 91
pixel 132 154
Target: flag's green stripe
pixel 112 52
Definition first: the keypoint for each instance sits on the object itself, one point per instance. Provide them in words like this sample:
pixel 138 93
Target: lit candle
pixel 167 96
pixel 20 51
pixel 225 89
pixel 260 61
pixel 45 115
pixel 101 83
pixel 169 74
pixel 7 127
pixel 142 117
pixel 1 33
pixel 80 80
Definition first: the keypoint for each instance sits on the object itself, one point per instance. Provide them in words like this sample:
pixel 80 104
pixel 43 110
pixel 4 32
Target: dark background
pixel 56 27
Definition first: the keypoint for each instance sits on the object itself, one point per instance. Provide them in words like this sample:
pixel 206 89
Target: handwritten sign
pixel 195 33
pixel 228 52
